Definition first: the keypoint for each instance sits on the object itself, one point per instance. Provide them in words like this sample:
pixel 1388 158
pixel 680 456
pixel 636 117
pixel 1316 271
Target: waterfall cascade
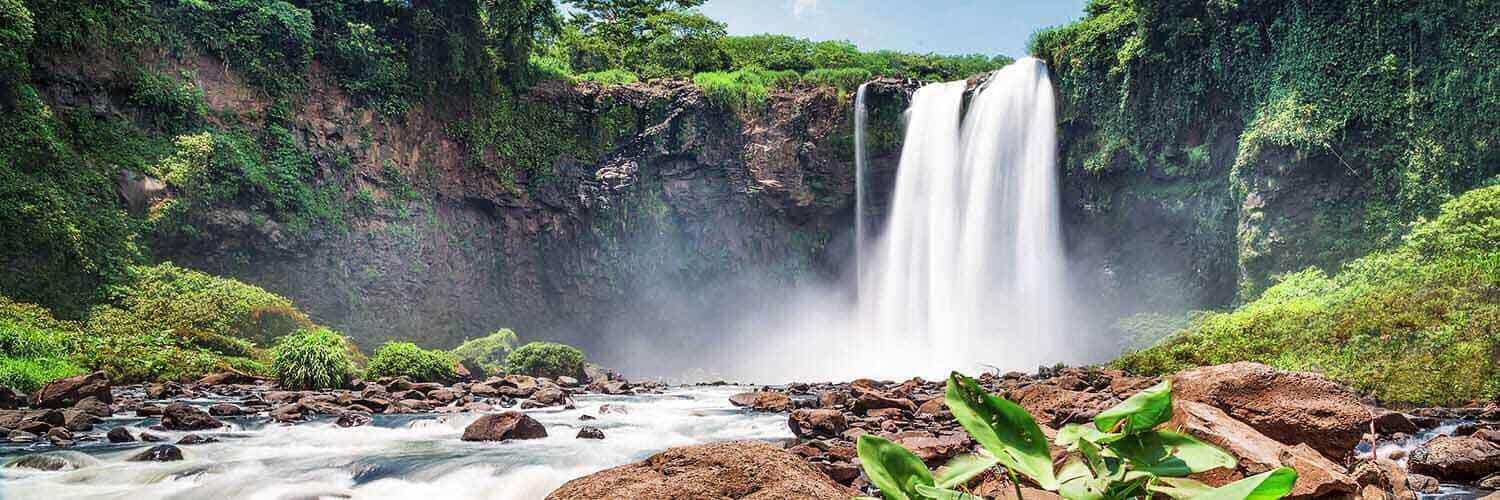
pixel 968 270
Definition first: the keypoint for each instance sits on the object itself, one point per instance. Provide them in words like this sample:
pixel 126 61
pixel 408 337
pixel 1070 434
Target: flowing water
pixel 399 456
pixel 968 271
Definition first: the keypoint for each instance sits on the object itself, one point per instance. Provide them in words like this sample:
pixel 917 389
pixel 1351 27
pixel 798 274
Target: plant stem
pixel 1014 481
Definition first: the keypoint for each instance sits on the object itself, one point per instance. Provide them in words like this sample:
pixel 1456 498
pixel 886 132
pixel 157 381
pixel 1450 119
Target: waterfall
pixel 968 271
pixel 861 114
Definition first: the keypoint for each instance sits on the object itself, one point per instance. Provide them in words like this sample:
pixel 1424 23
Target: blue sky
pixel 944 26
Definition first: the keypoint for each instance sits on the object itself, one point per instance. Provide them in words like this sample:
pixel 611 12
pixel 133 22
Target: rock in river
pixel 186 417
pixel 736 469
pixel 65 393
pixel 1462 458
pixel 504 427
pixel 763 401
pixel 1290 407
pixel 158 453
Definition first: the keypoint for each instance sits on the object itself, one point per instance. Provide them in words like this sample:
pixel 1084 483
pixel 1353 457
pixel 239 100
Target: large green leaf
pixel 1170 454
pixel 934 493
pixel 1180 488
pixel 892 468
pixel 1139 413
pixel 1076 482
pixel 961 469
pixel 1071 434
pixel 1003 428
pixel 1270 485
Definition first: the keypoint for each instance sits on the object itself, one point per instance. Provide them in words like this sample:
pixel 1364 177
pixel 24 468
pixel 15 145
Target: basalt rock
pixel 504 427
pixel 185 417
pixel 10 399
pixel 731 470
pixel 588 432
pixel 53 461
pixel 1456 458
pixel 119 435
pixel 762 401
pixel 1290 407
pixel 65 393
pixel 158 453
pixel 225 410
pixel 93 406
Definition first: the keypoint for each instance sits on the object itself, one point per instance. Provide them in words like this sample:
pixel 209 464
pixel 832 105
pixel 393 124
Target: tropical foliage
pixel 545 359
pixel 313 359
pixel 1120 455
pixel 488 352
pixel 405 359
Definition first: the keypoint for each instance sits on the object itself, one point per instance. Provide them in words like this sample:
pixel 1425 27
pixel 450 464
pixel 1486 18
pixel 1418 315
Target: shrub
pixel 488 352
pixel 609 77
pixel 839 78
pixel 132 350
pixel 545 359
pixel 313 359
pixel 742 89
pixel 181 299
pixel 405 359
pixel 29 374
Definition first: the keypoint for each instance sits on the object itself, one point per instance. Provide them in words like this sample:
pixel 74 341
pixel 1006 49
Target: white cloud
pixel 801 6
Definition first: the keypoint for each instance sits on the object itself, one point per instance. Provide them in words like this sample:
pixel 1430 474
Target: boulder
pixel 504 427
pixel 225 410
pixel 1056 406
pixel 815 424
pixel 352 419
pixel 60 437
pixel 228 378
pixel 10 399
pixel 64 393
pixel 185 417
pixel 1290 407
pixel 762 401
pixel 567 381
pixel 93 406
pixel 729 470
pixel 78 421
pixel 610 387
pixel 587 432
pixel 833 399
pixel 937 407
pixel 119 435
pixel 158 453
pixel 53 461
pixel 1388 479
pixel 1391 422
pixel 1456 458
pixel 192 439
pixel 1421 483
pixel 612 409
pixel 550 396
pixel 935 451
pixel 872 400
pixel 1317 475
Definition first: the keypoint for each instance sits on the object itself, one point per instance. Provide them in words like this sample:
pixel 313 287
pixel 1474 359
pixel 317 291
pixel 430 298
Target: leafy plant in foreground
pixel 1121 455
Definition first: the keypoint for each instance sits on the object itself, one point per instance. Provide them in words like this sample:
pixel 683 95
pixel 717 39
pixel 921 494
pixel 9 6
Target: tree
pixel 615 32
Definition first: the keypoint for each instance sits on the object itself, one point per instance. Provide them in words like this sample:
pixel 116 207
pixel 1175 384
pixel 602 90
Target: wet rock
pixel 1456 458
pixel 567 381
pixel 1422 483
pixel 37 427
pixel 504 427
pixel 287 413
pixel 588 432
pixel 550 396
pixel 53 461
pixel 93 406
pixel 225 410
pixel 739 469
pixel 610 387
pixel 151 438
pixel 1388 478
pixel 65 393
pixel 832 399
pixel 119 435
pixel 163 390
pixel 762 401
pixel 20 436
pixel 443 395
pixel 1290 407
pixel 871 400
pixel 1391 422
pixel 158 453
pixel 478 407
pixel 78 421
pixel 228 378
pixel 612 409
pixel 192 439
pixel 149 411
pixel 484 390
pixel 11 399
pixel 817 423
pixel 413 405
pixel 397 384
pixel 186 417
pixel 60 437
pixel 586 418
pixel 352 419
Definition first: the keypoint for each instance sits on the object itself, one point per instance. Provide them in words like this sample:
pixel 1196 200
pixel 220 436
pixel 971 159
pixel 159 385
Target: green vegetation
pixel 545 359
pixel 405 359
pixel 313 359
pixel 184 300
pixel 488 352
pixel 1122 455
pixel 34 347
pixel 1415 324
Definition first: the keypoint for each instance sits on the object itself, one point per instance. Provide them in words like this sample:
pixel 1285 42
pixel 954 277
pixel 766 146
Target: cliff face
pixel 677 199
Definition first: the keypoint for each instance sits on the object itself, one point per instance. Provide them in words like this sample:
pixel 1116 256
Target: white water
pixel 968 272
pixel 403 457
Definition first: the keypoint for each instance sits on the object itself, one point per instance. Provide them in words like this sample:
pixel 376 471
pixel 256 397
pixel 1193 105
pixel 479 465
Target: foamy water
pixel 400 457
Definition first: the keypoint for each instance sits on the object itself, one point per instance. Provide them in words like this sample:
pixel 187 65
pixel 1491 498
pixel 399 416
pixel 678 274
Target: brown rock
pixel 1057 406
pixel 763 401
pixel 1257 453
pixel 730 470
pixel 186 417
pixel 93 406
pixel 936 450
pixel 550 396
pixel 225 410
pixel 1388 478
pixel 1391 422
pixel 119 435
pixel 832 399
pixel 936 407
pixel 504 427
pixel 1290 407
pixel 817 423
pixel 871 400
pixel 64 393
pixel 1456 458
pixel 10 399
pixel 228 378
